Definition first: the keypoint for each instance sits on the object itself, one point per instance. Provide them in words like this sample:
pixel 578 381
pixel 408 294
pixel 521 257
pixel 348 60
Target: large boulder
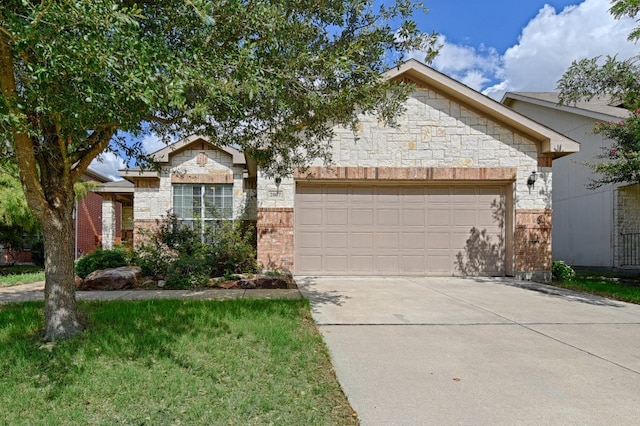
pixel 122 278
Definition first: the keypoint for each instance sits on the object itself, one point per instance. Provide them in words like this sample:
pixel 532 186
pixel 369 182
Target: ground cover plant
pixel 237 362
pixel 20 274
pixel 614 284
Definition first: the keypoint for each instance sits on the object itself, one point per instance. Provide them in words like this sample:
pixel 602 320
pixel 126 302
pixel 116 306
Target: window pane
pixel 189 201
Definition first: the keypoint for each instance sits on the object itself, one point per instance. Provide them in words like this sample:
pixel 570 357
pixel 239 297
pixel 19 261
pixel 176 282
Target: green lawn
pixel 15 275
pixel 618 285
pixel 237 362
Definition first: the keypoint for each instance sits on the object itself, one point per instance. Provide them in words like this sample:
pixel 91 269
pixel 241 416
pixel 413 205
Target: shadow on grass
pixel 139 332
pixel 550 290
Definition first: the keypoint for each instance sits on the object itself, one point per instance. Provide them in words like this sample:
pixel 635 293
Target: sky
pixel 495 46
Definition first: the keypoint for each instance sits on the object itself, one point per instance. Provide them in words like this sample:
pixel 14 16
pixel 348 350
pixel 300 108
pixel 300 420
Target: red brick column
pixel 275 237
pixel 532 241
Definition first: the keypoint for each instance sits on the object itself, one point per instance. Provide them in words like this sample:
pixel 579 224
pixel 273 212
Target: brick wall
pixel 532 241
pixel 275 237
pixel 89 222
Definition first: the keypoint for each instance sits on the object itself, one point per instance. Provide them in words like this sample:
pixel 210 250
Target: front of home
pixel 462 186
pixel 450 191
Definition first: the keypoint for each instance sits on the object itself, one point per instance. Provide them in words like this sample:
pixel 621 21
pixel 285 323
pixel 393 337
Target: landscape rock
pixel 122 278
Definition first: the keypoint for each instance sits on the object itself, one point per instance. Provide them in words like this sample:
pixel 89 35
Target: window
pixel 203 203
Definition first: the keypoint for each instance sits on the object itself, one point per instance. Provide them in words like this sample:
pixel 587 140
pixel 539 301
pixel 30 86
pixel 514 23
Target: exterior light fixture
pixel 278 181
pixel 532 179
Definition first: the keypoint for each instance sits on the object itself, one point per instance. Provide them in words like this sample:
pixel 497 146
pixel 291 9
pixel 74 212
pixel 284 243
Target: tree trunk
pixel 60 312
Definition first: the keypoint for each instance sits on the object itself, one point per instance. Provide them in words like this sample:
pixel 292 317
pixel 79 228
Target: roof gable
pixel 550 142
pixel 164 155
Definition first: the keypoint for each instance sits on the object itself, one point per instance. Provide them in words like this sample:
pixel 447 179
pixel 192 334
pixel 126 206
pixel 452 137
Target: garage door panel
pixel 310 240
pixel 464 217
pixel 413 264
pixel 399 229
pixel 387 265
pixel 337 240
pixel 413 217
pixel 439 240
pixel 361 217
pixel 335 263
pixel 361 195
pixel 308 216
pixel 438 217
pixel 388 217
pixel 338 217
pixel 387 240
pixel 413 240
pixel 360 240
pixel 309 263
pixel 362 264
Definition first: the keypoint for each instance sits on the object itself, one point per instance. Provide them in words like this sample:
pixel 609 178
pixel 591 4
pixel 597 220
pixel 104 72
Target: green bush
pixel 187 258
pixel 100 259
pixel 561 271
pixel 188 272
pixel 231 249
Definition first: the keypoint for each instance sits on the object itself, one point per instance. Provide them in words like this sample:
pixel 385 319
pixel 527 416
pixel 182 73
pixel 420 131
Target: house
pixel 461 187
pixel 592 227
pixel 87 224
pixel 196 180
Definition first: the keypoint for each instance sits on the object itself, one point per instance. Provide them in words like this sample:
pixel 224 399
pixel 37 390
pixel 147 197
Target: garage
pixel 399 229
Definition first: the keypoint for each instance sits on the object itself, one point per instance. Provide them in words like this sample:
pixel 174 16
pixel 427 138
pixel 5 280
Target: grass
pixel 237 362
pixel 618 285
pixel 20 274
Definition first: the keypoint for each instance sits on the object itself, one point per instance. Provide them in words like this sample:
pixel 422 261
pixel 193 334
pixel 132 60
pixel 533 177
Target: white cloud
pixel 152 143
pixel 546 47
pixel 108 165
pixel 471 66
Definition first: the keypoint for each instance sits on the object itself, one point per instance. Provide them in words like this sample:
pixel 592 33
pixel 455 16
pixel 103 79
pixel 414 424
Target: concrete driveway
pixel 450 351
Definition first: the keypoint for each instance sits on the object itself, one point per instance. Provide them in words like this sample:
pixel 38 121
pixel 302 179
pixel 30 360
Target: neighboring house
pixel 88 216
pixel 87 224
pixel 450 191
pixel 592 227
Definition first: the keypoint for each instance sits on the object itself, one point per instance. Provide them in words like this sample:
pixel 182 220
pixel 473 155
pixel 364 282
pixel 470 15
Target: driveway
pixel 450 351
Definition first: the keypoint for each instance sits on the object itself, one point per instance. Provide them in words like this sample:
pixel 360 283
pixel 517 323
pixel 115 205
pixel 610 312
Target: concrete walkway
pixel 448 351
pixel 35 292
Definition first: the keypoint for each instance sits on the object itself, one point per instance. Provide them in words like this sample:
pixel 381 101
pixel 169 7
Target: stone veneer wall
pixel 153 197
pixel 440 135
pixel 627 220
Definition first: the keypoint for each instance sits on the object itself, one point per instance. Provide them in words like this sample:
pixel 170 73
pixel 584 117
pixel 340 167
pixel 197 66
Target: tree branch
pixel 98 142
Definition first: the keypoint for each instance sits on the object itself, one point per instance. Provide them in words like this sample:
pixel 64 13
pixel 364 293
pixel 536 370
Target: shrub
pixel 231 249
pixel 100 259
pixel 187 258
pixel 561 271
pixel 188 272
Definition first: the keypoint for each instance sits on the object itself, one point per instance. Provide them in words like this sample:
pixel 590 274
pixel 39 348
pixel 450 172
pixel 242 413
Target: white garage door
pixel 358 229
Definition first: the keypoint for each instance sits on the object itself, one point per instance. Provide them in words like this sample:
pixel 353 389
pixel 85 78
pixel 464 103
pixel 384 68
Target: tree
pixel 271 77
pixel 16 221
pixel 620 80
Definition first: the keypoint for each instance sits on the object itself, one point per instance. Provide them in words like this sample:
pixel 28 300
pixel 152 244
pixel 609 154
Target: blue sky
pixel 522 45
pixel 495 46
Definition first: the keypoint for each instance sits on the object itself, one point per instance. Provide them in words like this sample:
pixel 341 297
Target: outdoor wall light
pixel 278 181
pixel 532 179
